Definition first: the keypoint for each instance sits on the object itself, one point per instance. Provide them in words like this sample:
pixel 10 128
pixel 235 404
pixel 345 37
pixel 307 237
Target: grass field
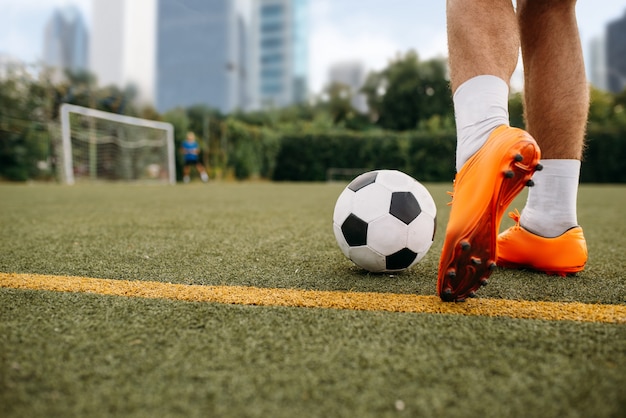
pixel 86 353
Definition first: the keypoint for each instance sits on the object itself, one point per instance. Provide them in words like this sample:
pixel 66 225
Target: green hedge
pixel 307 157
pixel 251 150
pixel 427 157
pixel 247 151
pixel 605 157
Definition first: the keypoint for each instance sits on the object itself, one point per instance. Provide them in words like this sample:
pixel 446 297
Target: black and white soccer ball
pixel 385 221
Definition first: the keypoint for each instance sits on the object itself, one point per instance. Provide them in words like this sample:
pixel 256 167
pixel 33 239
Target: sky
pixel 369 31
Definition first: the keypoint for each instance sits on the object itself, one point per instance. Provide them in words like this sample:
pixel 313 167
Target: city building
pixel 597 63
pixel 201 54
pixel 616 55
pixel 122 47
pixel 279 53
pixel 351 74
pixel 225 54
pixel 65 42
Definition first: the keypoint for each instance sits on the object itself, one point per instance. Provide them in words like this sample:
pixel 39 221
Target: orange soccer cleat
pixel 483 189
pixel 519 248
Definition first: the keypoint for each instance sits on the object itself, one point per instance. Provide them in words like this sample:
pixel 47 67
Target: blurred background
pixel 281 64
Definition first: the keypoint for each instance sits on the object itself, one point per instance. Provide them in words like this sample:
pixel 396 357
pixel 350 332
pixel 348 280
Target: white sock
pixel 481 104
pixel 551 205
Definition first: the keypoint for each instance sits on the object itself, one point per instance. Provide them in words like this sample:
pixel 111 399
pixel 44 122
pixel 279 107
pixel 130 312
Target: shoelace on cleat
pixel 515 215
pixel 451 194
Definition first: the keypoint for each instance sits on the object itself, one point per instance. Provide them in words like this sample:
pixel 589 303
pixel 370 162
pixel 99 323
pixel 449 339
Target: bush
pixel 308 156
pixel 426 157
pixel 605 156
pixel 251 150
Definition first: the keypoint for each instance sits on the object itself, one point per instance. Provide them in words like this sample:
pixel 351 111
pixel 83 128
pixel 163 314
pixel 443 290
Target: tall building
pixel 597 63
pixel 616 55
pixel 201 54
pixel 351 74
pixel 66 41
pixel 122 48
pixel 279 52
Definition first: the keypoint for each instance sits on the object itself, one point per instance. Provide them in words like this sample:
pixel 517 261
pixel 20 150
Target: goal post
pixel 98 145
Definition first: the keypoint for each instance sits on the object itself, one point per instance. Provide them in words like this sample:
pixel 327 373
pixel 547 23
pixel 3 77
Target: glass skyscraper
pixel 231 54
pixel 279 52
pixel 300 50
pixel 201 55
pixel 616 55
pixel 66 40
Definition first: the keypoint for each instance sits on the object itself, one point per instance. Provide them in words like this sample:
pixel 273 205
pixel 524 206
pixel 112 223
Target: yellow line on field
pixel 367 301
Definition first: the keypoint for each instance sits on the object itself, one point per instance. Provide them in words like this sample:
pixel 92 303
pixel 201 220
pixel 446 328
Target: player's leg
pixel 483 38
pixel 203 174
pixel 555 85
pixel 556 105
pixel 186 171
pixel 494 162
pixel 483 44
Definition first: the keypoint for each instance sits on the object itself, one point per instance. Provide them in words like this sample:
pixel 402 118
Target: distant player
pixel 191 153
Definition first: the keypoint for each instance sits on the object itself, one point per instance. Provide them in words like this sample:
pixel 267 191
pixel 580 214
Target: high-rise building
pixel 351 74
pixel 616 55
pixel 279 52
pixel 597 63
pixel 66 41
pixel 122 48
pixel 201 54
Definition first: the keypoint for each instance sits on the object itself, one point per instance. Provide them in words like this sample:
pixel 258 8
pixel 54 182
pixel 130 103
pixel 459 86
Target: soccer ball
pixel 385 221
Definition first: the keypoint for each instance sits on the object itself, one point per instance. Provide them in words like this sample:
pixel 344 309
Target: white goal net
pixel 105 146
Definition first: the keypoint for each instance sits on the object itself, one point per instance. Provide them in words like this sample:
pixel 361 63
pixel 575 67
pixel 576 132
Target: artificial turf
pixel 76 354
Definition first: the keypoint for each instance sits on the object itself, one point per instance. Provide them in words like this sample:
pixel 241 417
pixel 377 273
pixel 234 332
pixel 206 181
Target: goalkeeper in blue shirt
pixel 191 155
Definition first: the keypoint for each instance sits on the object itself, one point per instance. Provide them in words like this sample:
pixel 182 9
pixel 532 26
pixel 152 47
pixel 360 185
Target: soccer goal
pixel 97 145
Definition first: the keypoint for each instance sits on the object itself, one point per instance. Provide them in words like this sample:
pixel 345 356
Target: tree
pixel 408 92
pixel 516 110
pixel 338 102
pixel 24 143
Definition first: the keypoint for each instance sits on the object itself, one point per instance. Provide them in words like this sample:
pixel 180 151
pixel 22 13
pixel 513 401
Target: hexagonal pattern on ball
pixel 427 204
pixel 367 259
pixel 343 207
pixel 404 206
pixel 384 220
pixel 354 230
pixel 362 181
pixel 421 234
pixel 394 180
pixel 400 260
pixel 387 235
pixel 371 202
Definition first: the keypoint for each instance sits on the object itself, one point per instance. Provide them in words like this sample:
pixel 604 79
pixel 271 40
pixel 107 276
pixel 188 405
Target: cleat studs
pixel 476 261
pixel 452 275
pixel 484 282
pixel 465 245
pixel 509 174
pixel 538 167
pixel 518 157
pixel 492 265
pixel 459 300
pixel 530 183
pixel 446 295
pixel 471 294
